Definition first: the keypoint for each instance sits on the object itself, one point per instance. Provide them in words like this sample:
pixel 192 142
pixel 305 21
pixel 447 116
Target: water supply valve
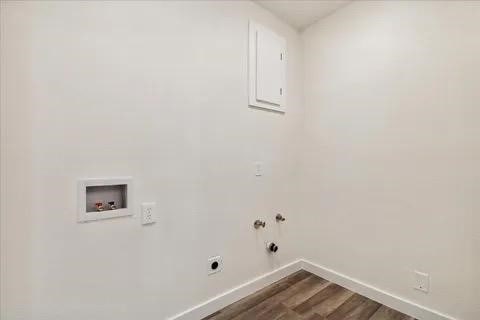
pixel 258 223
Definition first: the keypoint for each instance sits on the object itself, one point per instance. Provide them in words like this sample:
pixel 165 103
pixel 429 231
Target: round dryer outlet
pixel 214 265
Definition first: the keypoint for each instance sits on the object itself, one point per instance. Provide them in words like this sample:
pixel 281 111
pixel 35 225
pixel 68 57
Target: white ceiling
pixel 302 13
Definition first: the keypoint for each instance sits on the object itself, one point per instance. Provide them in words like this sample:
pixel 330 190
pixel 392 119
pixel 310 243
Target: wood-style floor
pixel 304 296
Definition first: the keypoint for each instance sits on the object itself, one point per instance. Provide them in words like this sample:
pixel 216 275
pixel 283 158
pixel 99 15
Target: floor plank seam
pixel 305 296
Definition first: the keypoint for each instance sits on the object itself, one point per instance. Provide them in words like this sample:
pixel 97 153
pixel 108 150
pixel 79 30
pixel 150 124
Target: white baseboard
pixel 219 302
pixel 371 292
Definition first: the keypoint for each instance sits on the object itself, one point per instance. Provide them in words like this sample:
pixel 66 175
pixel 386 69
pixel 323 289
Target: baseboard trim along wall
pixel 219 302
pixel 373 293
pixel 403 305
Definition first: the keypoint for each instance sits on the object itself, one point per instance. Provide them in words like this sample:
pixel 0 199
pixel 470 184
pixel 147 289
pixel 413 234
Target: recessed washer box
pixel 114 195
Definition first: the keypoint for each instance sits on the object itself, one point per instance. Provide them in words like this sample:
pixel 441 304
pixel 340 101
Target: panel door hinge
pixel 281 91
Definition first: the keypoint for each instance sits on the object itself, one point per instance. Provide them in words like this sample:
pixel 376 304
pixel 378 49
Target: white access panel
pixel 266 68
pixel 269 67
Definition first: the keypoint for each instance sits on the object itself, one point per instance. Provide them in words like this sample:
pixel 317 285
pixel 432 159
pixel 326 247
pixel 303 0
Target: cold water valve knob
pixel 279 218
pixel 272 247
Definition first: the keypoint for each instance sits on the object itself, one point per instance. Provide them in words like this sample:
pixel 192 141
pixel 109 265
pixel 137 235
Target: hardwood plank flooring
pixel 304 296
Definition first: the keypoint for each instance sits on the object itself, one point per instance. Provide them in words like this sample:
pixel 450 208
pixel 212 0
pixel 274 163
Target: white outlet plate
pixel 422 281
pixel 258 169
pixel 148 213
pixel 210 268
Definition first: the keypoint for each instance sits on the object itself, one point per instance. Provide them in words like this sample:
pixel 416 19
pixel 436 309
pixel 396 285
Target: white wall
pixel 158 91
pixel 390 178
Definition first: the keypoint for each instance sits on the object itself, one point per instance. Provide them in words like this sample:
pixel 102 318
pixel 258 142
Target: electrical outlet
pixel 258 169
pixel 214 265
pixel 148 213
pixel 422 281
